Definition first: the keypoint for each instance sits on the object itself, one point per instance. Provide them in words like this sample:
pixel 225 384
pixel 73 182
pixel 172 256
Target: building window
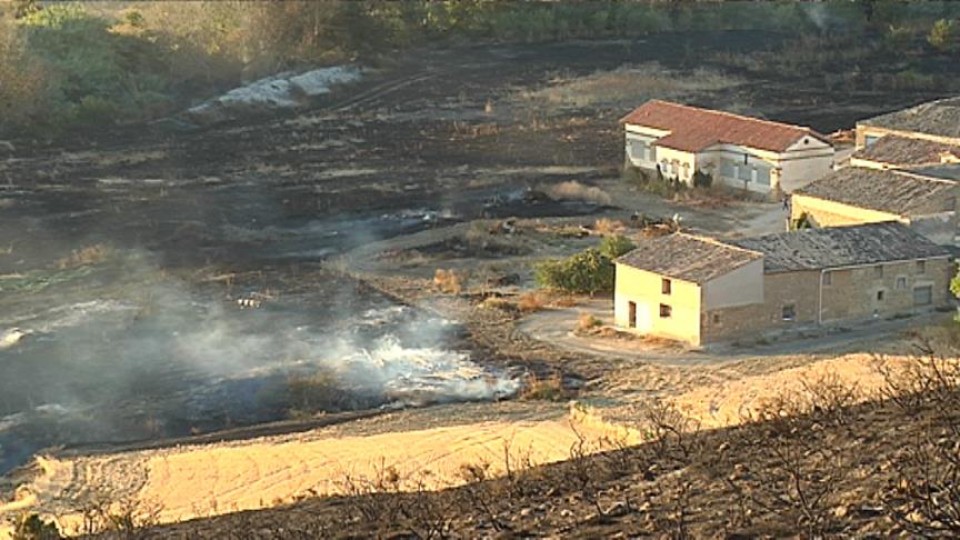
pixel 746 158
pixel 923 296
pixel 789 312
pixel 879 296
pixel 716 318
pixel 878 271
pixel 828 278
pixel 921 267
pixel 870 139
pixel 665 311
pixel 901 283
pixel 665 286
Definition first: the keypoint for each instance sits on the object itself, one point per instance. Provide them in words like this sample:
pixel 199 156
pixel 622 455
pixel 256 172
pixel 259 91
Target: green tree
pixel 587 272
pixel 614 246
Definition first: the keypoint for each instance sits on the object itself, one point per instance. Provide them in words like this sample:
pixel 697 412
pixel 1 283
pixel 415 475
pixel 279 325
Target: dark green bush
pixel 614 246
pixel 587 272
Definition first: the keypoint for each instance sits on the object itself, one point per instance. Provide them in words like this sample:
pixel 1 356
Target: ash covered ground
pixel 124 253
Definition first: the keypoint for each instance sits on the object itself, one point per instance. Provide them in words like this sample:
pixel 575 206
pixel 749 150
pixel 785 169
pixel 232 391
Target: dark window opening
pixel 878 271
pixel 716 318
pixel 921 267
pixel 666 286
pixel 789 312
pixel 880 296
pixel 665 311
pixel 632 315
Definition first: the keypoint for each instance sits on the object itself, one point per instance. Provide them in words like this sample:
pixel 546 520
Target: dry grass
pixel 545 388
pixel 565 301
pixel 531 302
pixel 575 191
pixel 449 281
pixel 90 255
pixel 587 322
pixel 629 86
pixel 607 226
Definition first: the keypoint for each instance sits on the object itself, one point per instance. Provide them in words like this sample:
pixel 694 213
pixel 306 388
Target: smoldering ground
pixel 125 351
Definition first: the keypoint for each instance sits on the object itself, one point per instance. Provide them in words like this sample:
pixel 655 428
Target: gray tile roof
pixel 687 257
pixel 904 151
pixel 816 249
pixel 895 192
pixel 941 117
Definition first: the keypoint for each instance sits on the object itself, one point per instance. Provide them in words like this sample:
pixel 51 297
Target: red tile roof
pixel 692 129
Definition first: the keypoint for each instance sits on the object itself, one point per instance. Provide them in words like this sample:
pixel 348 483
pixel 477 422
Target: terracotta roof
pixel 687 257
pixel 905 152
pixel 941 118
pixel 895 192
pixel 692 129
pixel 834 247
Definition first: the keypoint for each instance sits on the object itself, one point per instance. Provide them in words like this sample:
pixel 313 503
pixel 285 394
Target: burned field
pixel 125 252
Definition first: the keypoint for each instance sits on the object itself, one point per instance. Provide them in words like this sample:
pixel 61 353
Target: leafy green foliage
pixel 614 246
pixel 955 285
pixel 587 272
pixel 942 35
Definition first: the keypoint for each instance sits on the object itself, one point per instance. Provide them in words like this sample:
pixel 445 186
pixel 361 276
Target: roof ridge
pixel 915 176
pixel 718 242
pixel 736 115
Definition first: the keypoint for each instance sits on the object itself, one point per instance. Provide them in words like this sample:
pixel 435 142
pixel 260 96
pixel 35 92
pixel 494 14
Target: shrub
pixel 32 527
pixel 702 179
pixel 448 281
pixel 941 35
pixel 614 246
pixel 587 272
pixel 530 302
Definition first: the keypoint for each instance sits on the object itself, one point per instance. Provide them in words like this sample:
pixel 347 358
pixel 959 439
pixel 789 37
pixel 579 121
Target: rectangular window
pixel 870 139
pixel 921 267
pixel 632 314
pixel 716 318
pixel 879 296
pixel 789 312
pixel 665 311
pixel 726 169
pixel 665 286
pixel 744 173
pixel 923 296
pixel 763 176
pixel 827 278
pixel 878 271
pixel 901 283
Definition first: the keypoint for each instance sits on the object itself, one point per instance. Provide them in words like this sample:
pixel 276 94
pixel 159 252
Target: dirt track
pixel 261 196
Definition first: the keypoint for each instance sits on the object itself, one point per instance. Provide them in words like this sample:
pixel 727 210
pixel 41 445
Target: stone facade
pixel 850 294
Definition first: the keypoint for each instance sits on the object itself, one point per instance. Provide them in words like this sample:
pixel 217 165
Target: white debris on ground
pixel 283 91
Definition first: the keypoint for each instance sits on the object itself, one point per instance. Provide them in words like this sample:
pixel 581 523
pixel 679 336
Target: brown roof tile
pixel 693 129
pixel 687 257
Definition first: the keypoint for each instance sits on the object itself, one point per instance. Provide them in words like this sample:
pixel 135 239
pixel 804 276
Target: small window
pixel 789 312
pixel 716 318
pixel 878 271
pixel 879 296
pixel 901 283
pixel 828 278
pixel 665 311
pixel 746 158
pixel 665 286
pixel 806 141
pixel 921 267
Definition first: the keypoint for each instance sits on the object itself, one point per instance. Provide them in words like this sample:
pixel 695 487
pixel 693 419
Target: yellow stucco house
pixel 749 153
pixel 857 195
pixel 701 290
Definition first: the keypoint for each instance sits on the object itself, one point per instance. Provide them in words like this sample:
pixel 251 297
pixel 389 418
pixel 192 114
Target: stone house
pixel 749 153
pixel 701 290
pixel 856 195
pixel 935 122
